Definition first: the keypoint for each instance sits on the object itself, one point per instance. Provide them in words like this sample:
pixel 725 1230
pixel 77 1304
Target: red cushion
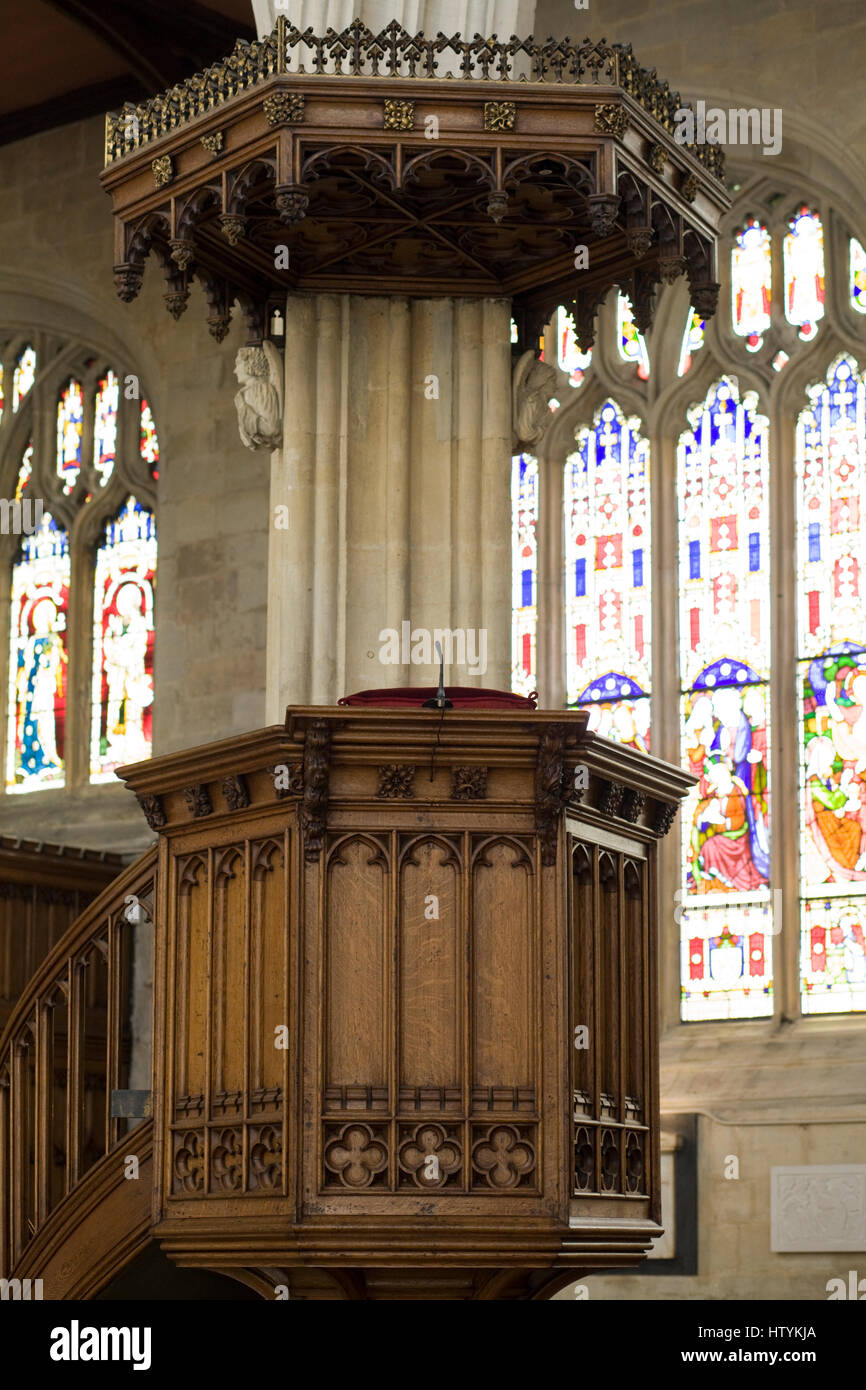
pixel 461 697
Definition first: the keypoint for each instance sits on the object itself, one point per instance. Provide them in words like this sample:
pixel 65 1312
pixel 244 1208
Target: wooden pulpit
pixel 405 1001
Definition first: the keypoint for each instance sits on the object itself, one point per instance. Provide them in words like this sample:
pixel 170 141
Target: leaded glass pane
pixel 524 573
pixel 148 442
pixel 630 342
pixel 608 579
pixel 693 341
pixel 803 264
pixel 105 426
pixel 123 642
pixel 23 377
pixel 726 922
pixel 38 659
pixel 751 280
pixel 70 418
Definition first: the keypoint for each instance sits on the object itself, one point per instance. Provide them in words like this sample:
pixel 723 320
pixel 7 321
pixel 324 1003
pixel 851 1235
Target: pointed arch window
pixel 752 800
pixel 79 693
pixel 831 485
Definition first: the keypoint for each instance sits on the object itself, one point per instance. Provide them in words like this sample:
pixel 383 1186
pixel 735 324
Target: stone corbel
pixel 534 385
pixel 259 402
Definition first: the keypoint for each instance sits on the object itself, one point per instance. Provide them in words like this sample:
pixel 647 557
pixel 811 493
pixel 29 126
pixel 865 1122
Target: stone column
pixel 395 473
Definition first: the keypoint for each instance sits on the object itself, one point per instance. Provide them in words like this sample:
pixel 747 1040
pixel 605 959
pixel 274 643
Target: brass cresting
pixel 395 53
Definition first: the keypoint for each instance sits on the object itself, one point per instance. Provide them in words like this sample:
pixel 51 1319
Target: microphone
pixel 439 701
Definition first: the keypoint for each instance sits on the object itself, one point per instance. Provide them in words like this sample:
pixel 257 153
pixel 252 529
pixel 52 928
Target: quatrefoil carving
pixel 427 1142
pixel 228 1160
pixel 503 1157
pixel 355 1157
pixel 189 1163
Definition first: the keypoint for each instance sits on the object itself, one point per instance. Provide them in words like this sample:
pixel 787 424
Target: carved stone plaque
pixel 821 1206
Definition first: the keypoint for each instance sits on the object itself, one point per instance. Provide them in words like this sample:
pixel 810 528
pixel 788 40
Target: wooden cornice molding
pixel 241 776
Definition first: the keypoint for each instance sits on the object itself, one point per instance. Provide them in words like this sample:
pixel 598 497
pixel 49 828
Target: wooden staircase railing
pixel 75 1035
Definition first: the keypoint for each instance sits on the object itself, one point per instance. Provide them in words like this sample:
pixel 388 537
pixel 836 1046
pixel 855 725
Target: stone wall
pixel 56 254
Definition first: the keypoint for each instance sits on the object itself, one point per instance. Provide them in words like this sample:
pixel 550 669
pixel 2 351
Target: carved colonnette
pixel 367 995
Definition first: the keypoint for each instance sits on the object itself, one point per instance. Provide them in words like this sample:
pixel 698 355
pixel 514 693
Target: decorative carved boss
pixel 405 1000
pixel 364 170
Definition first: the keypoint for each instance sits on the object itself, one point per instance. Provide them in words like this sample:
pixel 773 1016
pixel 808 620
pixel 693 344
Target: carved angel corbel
pixel 259 402
pixel 534 384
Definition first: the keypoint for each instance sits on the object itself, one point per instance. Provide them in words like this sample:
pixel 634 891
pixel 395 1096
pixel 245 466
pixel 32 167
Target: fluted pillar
pixel 391 494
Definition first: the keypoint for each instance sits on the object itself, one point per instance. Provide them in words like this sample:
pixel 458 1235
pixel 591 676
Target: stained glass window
pixel 38 659
pixel 726 919
pixel 148 442
pixel 123 642
pixel 857 271
pixel 105 426
pixel 70 417
pixel 751 280
pixel 25 472
pixel 693 341
pixel 632 347
pixel 803 264
pixel 568 355
pixel 831 481
pixel 608 577
pixel 524 572
pixel 23 377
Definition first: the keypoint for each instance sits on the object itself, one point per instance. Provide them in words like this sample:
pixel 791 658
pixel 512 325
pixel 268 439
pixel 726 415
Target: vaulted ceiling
pixel 62 60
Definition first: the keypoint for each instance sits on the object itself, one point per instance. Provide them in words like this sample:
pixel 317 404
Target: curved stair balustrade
pixel 80 1031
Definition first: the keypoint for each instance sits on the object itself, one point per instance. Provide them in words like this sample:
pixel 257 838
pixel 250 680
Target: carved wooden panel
pixel 356 946
pixel 268 1001
pixel 611 1037
pixel 430 954
pixel 192 972
pixel 228 972
pixel 370 1001
pixel 502 952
